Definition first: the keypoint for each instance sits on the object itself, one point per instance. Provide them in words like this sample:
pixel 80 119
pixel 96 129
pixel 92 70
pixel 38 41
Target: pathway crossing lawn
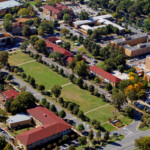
pixel 82 97
pixel 103 114
pixel 44 75
pixel 18 57
pixel 108 127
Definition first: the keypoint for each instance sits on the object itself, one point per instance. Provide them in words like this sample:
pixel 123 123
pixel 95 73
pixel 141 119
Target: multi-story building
pixel 5 38
pixel 108 77
pixel 6 5
pixel 51 127
pixel 134 45
pixel 56 12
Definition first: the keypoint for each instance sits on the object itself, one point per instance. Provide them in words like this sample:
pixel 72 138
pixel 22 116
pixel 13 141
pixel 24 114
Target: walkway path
pixel 26 62
pixel 66 84
pixel 95 109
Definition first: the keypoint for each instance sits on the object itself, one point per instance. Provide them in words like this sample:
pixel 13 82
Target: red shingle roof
pixel 57 48
pixel 10 94
pixel 52 125
pixel 52 39
pixel 104 74
pixel 69 59
pixel 51 8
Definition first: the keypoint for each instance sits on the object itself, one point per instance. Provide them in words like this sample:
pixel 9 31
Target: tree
pixel 61 100
pixel 89 32
pixel 83 15
pixel 96 80
pixel 9 77
pixel 3 58
pixel 53 108
pixel 41 87
pixel 56 23
pixel 72 147
pixel 81 1
pixel 106 135
pixel 143 143
pixel 33 39
pixel 67 45
pixel 81 68
pixel 62 114
pixel 41 46
pixel 91 88
pixel 65 138
pixel 47 27
pixel 64 31
pixel 26 31
pixel 23 101
pixel 79 82
pixel 78 57
pixel 37 21
pixel 81 127
pixel 66 18
pixel 7 25
pixel 2 142
pixel 8 17
pixel 91 135
pixel 108 87
pixel 147 24
pixel 32 81
pixel 23 75
pixel 56 90
pixel 80 114
pixel 8 147
pixel 82 140
pixel 24 45
pixel 98 134
pixel 57 56
pixel 118 99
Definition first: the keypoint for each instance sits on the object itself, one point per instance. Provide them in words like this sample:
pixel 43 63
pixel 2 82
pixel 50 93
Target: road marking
pixel 127 132
pixel 66 84
pixel 27 62
pixel 95 109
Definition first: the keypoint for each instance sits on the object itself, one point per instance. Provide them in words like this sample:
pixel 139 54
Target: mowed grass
pixel 32 3
pixel 44 75
pixel 108 127
pixel 18 57
pixel 82 97
pixel 103 114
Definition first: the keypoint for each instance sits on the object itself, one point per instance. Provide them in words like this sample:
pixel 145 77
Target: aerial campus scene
pixel 74 74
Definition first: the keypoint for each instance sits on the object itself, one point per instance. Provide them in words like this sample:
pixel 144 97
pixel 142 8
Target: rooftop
pixel 10 94
pixel 18 118
pixel 52 125
pixel 9 4
pixel 136 47
pixel 4 35
pixel 57 48
pixel 104 74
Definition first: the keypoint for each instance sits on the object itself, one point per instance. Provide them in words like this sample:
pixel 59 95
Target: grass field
pixel 108 127
pixel 32 3
pixel 44 75
pixel 83 50
pixel 18 57
pixel 82 97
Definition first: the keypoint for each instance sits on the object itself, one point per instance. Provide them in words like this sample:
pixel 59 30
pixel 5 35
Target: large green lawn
pixel 44 75
pixel 18 57
pixel 82 97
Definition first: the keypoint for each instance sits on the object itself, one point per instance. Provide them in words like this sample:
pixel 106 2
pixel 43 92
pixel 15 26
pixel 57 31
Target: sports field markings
pixel 26 62
pixel 95 109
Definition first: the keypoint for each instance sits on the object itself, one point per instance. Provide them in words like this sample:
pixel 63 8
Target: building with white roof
pixel 19 120
pixel 101 20
pixel 5 5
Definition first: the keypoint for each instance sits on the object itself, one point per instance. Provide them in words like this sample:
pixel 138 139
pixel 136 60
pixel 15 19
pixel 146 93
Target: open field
pixel 109 127
pixel 86 101
pixel 18 57
pixel 43 75
pixel 92 106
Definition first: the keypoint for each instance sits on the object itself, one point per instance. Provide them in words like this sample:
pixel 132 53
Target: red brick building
pixel 55 12
pixel 51 127
pixel 105 75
